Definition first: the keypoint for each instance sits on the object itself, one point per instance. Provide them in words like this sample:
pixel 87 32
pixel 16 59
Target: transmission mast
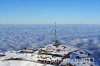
pixel 56 40
pixel 55 34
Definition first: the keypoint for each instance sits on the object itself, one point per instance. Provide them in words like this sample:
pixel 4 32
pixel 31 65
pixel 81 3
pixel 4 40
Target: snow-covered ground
pixel 21 63
pixel 50 55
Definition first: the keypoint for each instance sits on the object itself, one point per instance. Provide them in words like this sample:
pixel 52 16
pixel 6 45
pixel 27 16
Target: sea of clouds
pixel 16 37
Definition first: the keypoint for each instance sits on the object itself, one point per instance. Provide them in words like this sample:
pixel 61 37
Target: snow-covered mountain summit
pixel 50 55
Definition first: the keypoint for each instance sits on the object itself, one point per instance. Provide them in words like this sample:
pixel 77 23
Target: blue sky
pixel 49 11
